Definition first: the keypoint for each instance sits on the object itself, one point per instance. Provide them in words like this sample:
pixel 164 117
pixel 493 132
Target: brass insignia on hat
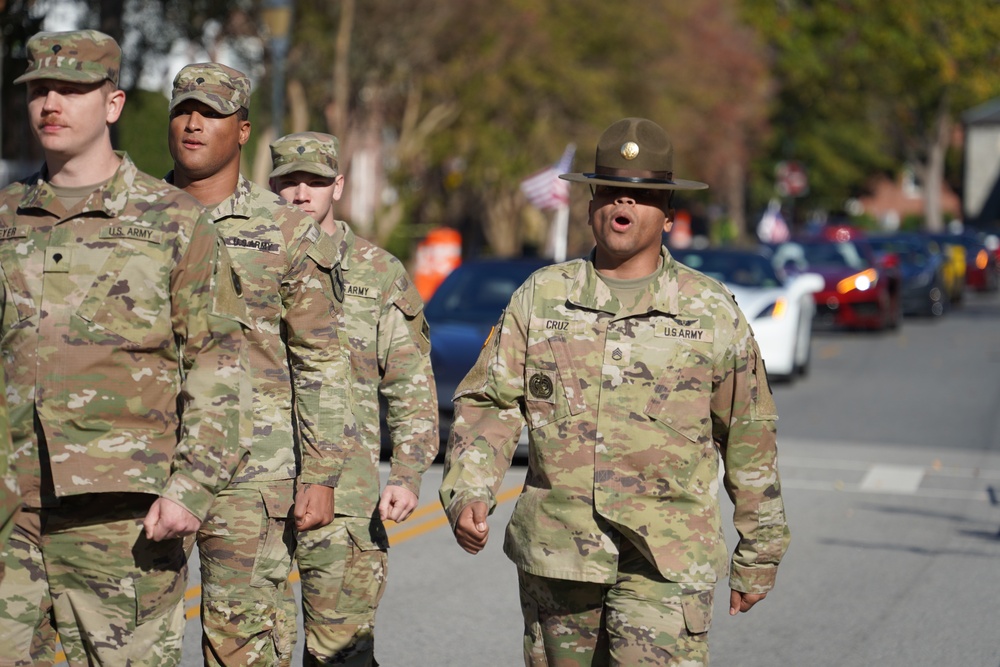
pixel 540 386
pixel 630 150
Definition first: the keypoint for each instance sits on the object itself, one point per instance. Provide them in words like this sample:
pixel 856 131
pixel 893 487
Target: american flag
pixel 772 227
pixel 544 189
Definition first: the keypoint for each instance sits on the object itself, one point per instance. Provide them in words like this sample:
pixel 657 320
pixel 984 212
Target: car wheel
pixel 896 313
pixel 802 368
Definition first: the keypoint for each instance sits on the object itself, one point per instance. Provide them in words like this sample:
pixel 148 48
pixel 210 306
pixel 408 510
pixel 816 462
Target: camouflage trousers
pixel 641 619
pixel 343 567
pixel 85 574
pixel 245 546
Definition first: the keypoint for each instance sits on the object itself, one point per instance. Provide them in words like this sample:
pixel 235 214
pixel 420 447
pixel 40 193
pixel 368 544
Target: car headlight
pixel 775 310
pixel 859 281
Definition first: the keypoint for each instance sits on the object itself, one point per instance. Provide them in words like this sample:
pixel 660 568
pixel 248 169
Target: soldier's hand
pixel 313 506
pixel 743 601
pixel 166 520
pixel 471 530
pixel 397 504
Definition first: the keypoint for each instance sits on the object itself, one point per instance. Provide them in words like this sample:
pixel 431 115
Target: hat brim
pixel 225 107
pixel 640 183
pixel 57 74
pixel 308 167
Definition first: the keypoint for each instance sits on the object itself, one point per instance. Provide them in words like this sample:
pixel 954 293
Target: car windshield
pixel 834 255
pixel 477 293
pixel 909 251
pixel 745 270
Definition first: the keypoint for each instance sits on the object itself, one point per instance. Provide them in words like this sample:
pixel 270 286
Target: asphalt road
pixel 889 450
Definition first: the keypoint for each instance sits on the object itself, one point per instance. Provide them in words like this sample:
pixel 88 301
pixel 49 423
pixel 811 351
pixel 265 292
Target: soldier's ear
pixel 115 104
pixel 668 221
pixel 244 132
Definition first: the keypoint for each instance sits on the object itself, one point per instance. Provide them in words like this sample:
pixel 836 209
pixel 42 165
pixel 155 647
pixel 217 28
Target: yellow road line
pixel 397 535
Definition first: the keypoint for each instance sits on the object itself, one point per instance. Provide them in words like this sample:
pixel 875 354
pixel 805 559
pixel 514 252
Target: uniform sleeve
pixel 488 416
pixel 744 417
pixel 407 383
pixel 10 497
pixel 209 317
pixel 312 296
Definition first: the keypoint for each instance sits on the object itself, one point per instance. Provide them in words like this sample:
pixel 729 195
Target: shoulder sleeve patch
pixel 763 399
pixel 410 302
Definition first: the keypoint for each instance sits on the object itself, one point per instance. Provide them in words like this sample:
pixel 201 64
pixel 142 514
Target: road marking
pixel 893 479
pixel 397 535
pixel 839 486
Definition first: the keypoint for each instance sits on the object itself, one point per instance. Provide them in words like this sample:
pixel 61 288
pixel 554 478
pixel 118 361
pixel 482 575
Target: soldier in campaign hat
pixel 303 431
pixel 390 345
pixel 125 360
pixel 635 376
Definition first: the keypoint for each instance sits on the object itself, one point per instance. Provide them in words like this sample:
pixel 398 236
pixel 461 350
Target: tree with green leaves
pixel 873 85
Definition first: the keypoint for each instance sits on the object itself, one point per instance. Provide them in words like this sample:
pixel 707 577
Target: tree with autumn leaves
pixel 443 106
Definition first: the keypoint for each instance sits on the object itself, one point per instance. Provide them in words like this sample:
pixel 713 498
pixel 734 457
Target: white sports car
pixel 779 309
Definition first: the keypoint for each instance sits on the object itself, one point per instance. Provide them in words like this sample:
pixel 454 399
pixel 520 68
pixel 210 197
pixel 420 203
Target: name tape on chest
pixel 676 330
pixel 361 291
pixel 18 232
pixel 132 233
pixel 260 245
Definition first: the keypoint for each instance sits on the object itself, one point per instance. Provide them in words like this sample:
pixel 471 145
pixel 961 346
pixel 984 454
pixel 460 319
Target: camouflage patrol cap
pixel 222 88
pixel 311 152
pixel 635 153
pixel 82 56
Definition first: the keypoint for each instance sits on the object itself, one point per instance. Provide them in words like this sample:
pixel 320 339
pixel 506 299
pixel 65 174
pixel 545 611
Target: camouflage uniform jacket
pixel 289 274
pixel 113 311
pixel 628 414
pixel 390 352
pixel 10 496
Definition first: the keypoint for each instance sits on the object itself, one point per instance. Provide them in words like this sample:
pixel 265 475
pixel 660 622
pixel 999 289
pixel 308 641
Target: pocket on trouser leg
pixel 26 632
pixel 671 631
pixel 159 592
pixel 341 593
pixel 534 645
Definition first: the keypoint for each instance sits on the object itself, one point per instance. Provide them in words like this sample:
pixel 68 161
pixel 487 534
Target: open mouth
pixel 621 221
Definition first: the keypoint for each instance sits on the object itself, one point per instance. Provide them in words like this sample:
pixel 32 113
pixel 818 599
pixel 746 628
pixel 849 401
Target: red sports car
pixel 860 291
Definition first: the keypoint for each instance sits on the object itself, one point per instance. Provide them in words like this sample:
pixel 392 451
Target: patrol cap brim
pixel 225 107
pixel 318 168
pixel 62 74
pixel 634 182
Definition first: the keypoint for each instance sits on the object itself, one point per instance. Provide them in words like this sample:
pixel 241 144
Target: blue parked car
pixel 461 313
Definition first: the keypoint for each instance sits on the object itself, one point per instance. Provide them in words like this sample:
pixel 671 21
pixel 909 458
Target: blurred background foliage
pixel 444 106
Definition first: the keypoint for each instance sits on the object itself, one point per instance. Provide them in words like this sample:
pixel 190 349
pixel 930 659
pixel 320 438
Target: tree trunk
pixel 735 197
pixel 341 72
pixel 934 173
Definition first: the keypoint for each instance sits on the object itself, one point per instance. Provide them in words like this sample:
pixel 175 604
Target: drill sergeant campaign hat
pixel 311 152
pixel 635 153
pixel 81 56
pixel 222 88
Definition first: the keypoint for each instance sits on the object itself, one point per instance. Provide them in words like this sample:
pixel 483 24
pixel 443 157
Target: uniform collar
pixel 345 239
pixel 239 204
pixel 589 291
pixel 110 199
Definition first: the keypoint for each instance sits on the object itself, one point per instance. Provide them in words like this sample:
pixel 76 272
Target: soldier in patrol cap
pixel 635 375
pixel 125 359
pixel 390 352
pixel 303 429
